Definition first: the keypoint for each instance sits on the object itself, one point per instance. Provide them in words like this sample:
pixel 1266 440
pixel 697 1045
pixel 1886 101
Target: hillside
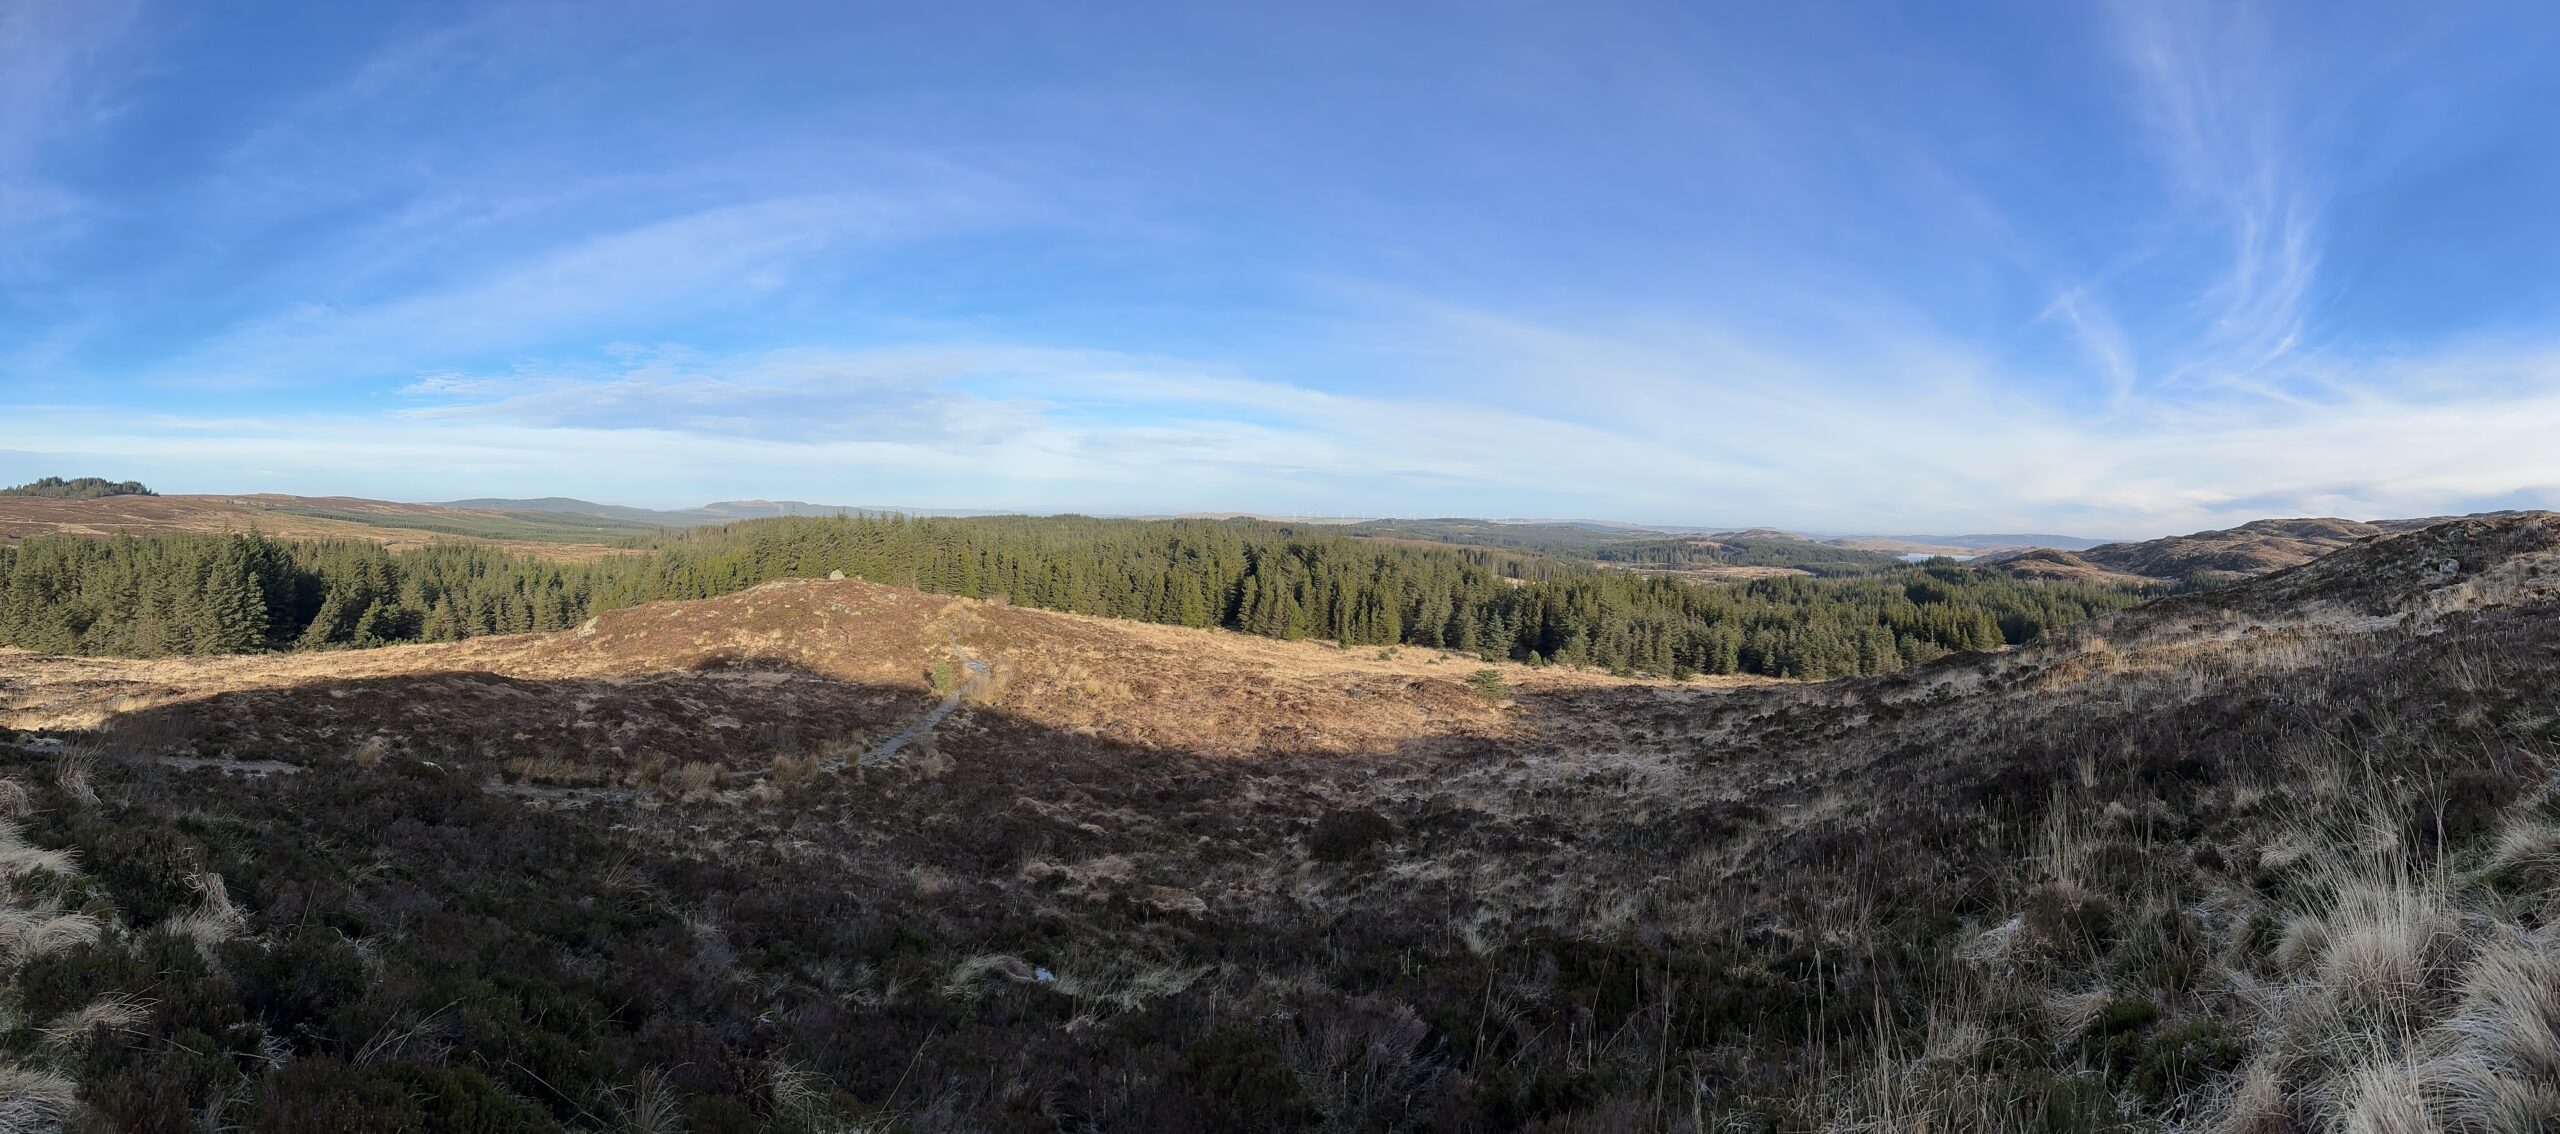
pixel 2253 548
pixel 307 517
pixel 1203 692
pixel 2275 855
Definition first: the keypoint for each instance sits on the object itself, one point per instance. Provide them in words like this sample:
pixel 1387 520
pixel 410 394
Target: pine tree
pixel 232 615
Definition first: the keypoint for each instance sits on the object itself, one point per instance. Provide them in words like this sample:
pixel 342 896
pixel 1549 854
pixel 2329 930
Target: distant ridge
pixel 1990 542
pixel 2254 548
pixel 717 512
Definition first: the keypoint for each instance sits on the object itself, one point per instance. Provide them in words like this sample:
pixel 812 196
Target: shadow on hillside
pixel 1001 926
pixel 1029 928
pixel 731 712
pixel 726 723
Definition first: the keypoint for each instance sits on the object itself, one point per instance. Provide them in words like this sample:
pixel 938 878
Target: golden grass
pixel 1206 691
pixel 22 517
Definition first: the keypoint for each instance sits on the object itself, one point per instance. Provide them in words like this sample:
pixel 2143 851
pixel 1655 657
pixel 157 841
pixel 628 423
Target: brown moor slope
pixel 2254 548
pixel 24 516
pixel 834 662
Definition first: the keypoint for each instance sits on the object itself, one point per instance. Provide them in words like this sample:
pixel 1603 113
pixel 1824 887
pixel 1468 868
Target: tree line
pixel 78 488
pixel 179 594
pixel 1819 558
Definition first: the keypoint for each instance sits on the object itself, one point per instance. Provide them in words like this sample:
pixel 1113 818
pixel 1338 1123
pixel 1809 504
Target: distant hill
pixel 549 534
pixel 1696 550
pixel 1577 540
pixel 1616 526
pixel 1989 542
pixel 717 512
pixel 2254 548
pixel 566 506
pixel 1758 548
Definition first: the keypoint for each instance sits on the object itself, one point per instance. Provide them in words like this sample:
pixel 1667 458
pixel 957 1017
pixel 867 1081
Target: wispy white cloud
pixel 1849 301
pixel 2213 92
pixel 1662 432
pixel 696 262
pixel 52 57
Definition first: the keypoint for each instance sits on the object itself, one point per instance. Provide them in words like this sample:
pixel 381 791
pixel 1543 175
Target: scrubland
pixel 2280 856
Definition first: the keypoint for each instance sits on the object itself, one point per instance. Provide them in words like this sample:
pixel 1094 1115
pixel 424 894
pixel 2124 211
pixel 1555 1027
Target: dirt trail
pixel 242 767
pixel 56 746
pixel 923 726
pixel 573 796
pixel 878 754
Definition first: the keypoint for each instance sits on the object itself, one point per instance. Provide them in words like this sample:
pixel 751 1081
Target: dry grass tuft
pixel 71 774
pixel 114 1014
pixel 650 1105
pixel 17 856
pixel 213 921
pixel 697 781
pixel 968 978
pixel 41 930
pixel 2386 946
pixel 2386 1097
pixel 2410 1003
pixel 370 754
pixel 32 1099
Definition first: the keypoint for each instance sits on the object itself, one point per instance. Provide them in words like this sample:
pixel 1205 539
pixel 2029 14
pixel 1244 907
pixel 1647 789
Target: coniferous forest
pixel 150 596
pixel 78 488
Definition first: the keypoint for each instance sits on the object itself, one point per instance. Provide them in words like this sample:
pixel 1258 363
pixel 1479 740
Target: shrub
pixel 1489 685
pixel 1342 836
pixel 1242 1081
pixel 317 1097
pixel 460 1100
pixel 2186 1056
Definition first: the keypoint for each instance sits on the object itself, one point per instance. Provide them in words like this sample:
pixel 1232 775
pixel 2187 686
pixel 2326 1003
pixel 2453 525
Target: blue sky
pixel 2113 269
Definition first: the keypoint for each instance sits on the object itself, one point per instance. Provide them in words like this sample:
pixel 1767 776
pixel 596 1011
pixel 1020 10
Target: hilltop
pixel 77 488
pixel 1211 693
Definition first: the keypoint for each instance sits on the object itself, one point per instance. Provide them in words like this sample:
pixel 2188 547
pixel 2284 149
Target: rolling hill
pixel 2253 548
pixel 309 517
